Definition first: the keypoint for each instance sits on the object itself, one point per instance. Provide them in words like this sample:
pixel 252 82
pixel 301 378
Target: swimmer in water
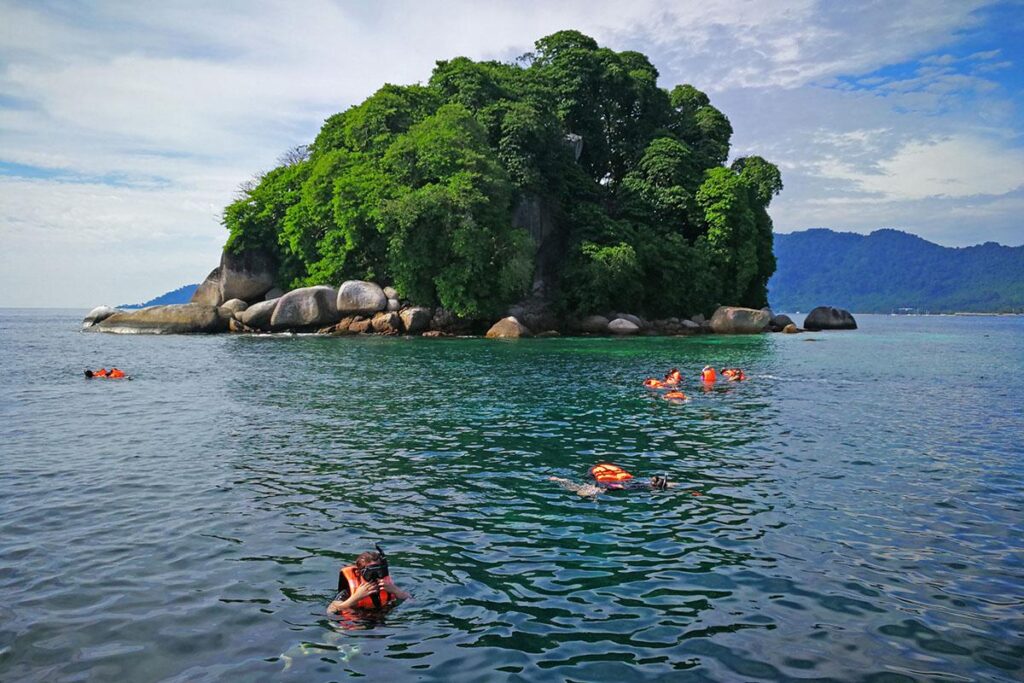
pixel 609 477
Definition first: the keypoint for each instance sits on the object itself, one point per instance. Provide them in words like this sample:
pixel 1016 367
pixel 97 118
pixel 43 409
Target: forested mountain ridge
pixel 181 295
pixel 890 270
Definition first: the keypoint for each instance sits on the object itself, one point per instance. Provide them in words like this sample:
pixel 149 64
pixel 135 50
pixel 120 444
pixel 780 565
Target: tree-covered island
pixel 563 185
pixel 435 188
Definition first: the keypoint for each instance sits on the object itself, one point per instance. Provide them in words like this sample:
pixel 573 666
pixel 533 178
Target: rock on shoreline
pixel 361 307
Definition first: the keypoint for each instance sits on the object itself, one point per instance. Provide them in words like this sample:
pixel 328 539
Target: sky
pixel 126 127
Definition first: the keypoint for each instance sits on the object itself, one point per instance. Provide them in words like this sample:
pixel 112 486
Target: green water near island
pixel 860 515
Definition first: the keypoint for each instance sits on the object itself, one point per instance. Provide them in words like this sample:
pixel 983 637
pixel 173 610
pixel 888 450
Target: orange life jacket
pixel 606 473
pixel 675 396
pixel 708 375
pixel 652 383
pixel 673 377
pixel 116 374
pixel 102 372
pixel 355 579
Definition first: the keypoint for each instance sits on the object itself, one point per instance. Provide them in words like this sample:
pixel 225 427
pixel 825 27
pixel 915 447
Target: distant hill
pixel 181 295
pixel 890 270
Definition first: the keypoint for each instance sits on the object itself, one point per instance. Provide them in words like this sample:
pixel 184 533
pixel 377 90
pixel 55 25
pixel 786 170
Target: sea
pixel 852 511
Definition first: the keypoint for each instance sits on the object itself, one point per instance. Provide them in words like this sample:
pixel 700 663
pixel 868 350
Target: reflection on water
pixel 859 515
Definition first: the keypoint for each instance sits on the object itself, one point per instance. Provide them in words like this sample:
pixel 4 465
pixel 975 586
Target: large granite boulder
pixel 357 297
pixel 97 315
pixel 391 293
pixel 258 315
pixel 387 322
pixel 171 319
pixel 779 322
pixel 736 320
pixel 306 307
pixel 621 326
pixel 594 324
pixel 246 275
pixel 508 328
pixel 416 319
pixel 631 318
pixel 208 292
pixel 274 293
pixel 829 318
pixel 233 306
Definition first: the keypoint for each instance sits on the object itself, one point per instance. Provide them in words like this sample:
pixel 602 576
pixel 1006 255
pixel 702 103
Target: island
pixel 565 192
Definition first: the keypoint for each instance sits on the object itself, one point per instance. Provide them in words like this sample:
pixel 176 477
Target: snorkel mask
pixel 378 570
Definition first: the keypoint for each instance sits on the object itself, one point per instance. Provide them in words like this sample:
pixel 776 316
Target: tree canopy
pixel 417 186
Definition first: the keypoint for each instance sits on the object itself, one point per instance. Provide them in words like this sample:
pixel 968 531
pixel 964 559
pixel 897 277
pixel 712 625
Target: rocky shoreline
pixel 360 307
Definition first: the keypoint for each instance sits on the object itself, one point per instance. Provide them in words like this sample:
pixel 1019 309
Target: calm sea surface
pixel 861 515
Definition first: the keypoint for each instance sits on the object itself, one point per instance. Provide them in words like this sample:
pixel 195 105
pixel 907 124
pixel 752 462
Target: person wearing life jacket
pixel 673 377
pixel 707 375
pixel 733 374
pixel 366 585
pixel 652 383
pixel 103 373
pixel 606 476
pixel 675 395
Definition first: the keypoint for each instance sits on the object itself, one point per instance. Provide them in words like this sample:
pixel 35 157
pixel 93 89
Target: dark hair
pixel 368 558
pixel 88 373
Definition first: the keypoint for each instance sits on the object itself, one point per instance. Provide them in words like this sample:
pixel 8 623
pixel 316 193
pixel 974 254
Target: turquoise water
pixel 860 515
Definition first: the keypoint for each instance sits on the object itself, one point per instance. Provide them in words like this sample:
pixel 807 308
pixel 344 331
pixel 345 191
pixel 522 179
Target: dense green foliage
pixel 416 186
pixel 890 270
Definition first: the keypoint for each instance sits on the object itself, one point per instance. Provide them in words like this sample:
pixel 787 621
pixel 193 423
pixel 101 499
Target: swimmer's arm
pixel 582 490
pixel 364 590
pixel 396 591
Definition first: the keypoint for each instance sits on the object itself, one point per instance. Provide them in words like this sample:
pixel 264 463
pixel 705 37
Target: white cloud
pixel 179 102
pixel 960 166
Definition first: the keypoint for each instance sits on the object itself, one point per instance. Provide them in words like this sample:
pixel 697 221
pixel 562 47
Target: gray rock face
pixel 387 323
pixel 306 307
pixel 246 275
pixel 631 318
pixel 575 144
pixel 171 319
pixel 508 328
pixel 393 305
pixel 274 293
pixel 208 293
pixel 779 322
pixel 621 326
pixel 416 319
pixel 594 324
pixel 699 319
pixel 233 306
pixel 391 292
pixel 689 326
pixel 736 320
pixel 791 329
pixel 258 315
pixel 97 315
pixel 360 297
pixel 829 318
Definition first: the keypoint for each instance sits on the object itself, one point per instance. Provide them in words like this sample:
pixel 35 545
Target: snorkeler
pixel 733 374
pixel 609 477
pixel 103 373
pixel 366 585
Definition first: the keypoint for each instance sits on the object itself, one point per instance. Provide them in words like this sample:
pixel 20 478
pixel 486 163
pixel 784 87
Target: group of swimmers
pixel 103 373
pixel 708 377
pixel 366 587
